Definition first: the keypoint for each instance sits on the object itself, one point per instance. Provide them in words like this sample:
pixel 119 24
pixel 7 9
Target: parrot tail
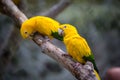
pixel 97 75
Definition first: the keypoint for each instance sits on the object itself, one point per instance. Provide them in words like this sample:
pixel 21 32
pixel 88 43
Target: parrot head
pixel 66 29
pixel 27 29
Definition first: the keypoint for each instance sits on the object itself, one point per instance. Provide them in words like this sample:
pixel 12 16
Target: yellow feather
pixel 76 45
pixel 43 25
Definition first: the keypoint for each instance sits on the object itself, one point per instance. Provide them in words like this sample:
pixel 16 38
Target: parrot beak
pixel 60 32
pixel 30 36
pixel 26 36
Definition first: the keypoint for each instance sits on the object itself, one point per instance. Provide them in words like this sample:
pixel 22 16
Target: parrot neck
pixel 71 36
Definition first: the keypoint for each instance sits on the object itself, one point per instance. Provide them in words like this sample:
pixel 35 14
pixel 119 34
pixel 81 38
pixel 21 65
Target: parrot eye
pixel 25 32
pixel 65 26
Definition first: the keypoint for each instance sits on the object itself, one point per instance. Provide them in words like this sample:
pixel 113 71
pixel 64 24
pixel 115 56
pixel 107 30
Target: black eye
pixel 25 32
pixel 65 26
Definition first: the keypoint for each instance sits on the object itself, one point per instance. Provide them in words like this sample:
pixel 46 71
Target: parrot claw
pixel 46 38
pixel 76 65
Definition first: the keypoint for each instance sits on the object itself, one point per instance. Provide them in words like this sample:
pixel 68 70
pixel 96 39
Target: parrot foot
pixel 46 38
pixel 76 65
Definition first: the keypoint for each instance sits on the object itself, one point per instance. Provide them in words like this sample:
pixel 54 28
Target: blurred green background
pixel 96 20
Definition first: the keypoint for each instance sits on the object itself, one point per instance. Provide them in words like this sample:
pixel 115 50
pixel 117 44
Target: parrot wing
pixel 91 59
pixel 89 55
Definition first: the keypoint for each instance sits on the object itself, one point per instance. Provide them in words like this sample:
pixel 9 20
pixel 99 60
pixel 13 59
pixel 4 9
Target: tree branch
pixel 9 8
pixel 82 72
pixel 57 8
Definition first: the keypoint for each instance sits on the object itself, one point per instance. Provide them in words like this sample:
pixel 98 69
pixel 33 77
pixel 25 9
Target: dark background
pixel 96 20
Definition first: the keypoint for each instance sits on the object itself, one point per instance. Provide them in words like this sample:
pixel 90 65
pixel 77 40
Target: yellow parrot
pixel 44 25
pixel 77 46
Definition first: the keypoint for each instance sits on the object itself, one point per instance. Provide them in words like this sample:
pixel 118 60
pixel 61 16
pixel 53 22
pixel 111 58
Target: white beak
pixel 60 32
